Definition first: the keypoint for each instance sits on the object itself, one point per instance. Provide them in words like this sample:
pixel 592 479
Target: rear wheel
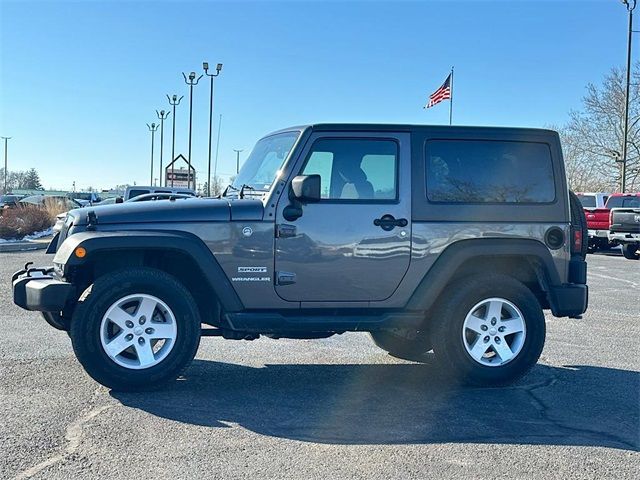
pixel 489 330
pixel 135 329
pixel 630 251
pixel 408 345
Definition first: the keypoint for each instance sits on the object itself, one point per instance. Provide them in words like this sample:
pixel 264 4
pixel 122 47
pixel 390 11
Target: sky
pixel 80 80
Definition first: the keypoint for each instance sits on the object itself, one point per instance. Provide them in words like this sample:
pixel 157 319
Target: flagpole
pixel 451 99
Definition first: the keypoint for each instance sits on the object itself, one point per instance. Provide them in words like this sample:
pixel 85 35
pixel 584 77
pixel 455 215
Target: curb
pixel 26 246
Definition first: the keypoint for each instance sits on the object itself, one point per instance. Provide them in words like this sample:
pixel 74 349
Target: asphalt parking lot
pixel 334 408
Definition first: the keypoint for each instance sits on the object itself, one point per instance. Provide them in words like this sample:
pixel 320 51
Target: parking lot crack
pixel 73 435
pixel 545 413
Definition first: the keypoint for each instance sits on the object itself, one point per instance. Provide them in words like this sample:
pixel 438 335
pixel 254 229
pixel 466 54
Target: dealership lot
pixel 335 408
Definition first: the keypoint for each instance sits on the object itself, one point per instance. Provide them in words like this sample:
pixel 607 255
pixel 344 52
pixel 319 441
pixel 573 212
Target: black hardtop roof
pixel 400 127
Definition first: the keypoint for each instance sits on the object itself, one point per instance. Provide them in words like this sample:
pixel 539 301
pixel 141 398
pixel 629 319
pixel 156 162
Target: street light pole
pixel 215 165
pixel 152 128
pixel 205 65
pixel 173 101
pixel 162 115
pixel 237 160
pixel 6 139
pixel 631 5
pixel 191 82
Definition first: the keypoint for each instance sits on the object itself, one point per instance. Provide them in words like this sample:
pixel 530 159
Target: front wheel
pixel 135 329
pixel 630 251
pixel 489 330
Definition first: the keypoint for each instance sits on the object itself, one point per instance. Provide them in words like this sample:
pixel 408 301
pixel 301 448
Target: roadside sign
pixel 176 174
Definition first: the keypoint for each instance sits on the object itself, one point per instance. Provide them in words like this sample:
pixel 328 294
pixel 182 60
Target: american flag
pixel 443 93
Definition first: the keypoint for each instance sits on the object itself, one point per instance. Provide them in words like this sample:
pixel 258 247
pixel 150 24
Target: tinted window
pixel 471 171
pixel 353 169
pixel 623 202
pixel 587 201
pixel 135 193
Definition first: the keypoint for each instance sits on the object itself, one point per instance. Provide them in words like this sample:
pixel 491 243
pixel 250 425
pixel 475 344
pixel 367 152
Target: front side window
pixel 267 158
pixel 471 171
pixel 354 169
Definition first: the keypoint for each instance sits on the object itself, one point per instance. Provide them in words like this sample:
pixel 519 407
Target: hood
pixel 168 211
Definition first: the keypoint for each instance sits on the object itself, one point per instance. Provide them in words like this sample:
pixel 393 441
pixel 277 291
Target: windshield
pixel 267 157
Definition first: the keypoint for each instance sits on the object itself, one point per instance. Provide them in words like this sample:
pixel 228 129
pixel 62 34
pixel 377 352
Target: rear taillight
pixel 610 217
pixel 576 245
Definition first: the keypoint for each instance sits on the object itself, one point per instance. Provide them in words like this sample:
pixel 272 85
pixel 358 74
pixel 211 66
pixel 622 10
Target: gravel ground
pixel 334 408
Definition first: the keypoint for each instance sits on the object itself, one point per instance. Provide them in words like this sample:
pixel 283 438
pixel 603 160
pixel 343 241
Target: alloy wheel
pixel 494 332
pixel 138 331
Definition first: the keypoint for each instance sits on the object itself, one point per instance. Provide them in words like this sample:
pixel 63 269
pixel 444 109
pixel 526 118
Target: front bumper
pixel 36 289
pixel 622 237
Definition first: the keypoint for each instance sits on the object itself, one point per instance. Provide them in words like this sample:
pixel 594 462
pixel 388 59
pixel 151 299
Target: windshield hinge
pixel 285 231
pixel 92 220
pixel 285 278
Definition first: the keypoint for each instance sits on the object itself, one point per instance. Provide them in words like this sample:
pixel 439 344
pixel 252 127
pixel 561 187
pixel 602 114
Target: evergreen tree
pixel 32 180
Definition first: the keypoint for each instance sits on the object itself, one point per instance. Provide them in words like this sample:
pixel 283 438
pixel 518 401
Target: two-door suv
pixel 451 239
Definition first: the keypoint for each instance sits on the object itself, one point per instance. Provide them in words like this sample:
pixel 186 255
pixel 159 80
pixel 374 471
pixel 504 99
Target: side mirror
pixel 119 200
pixel 306 188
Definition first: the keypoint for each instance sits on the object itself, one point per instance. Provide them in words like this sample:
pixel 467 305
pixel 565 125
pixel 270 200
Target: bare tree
pixel 592 140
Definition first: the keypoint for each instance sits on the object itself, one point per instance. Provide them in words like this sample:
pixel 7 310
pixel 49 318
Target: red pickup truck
pixel 597 209
pixel 597 214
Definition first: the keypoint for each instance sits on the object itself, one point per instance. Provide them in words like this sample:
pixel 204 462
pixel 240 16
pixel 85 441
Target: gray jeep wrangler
pixel 451 239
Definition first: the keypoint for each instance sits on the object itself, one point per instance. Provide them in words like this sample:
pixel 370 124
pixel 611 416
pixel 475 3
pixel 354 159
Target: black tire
pixel 449 317
pixel 55 320
pixel 411 347
pixel 579 223
pixel 87 317
pixel 630 251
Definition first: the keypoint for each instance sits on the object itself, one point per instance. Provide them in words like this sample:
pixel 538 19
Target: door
pixel 354 245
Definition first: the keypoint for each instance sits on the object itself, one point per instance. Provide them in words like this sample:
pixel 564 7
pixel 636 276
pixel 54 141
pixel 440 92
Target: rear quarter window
pixel 136 193
pixel 587 201
pixel 487 171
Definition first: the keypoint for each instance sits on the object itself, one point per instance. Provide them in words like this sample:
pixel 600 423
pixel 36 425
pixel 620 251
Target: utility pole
pixel 631 5
pixel 162 115
pixel 173 101
pixel 6 162
pixel 237 160
pixel 152 128
pixel 205 65
pixel 191 82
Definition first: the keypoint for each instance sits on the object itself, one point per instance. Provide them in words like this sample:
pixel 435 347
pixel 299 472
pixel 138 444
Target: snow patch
pixel 34 236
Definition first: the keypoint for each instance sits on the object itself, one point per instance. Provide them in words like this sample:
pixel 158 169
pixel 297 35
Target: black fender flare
pixel 454 256
pixel 95 242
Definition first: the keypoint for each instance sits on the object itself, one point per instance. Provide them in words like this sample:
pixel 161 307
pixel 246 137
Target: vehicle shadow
pixel 403 404
pixel 614 252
